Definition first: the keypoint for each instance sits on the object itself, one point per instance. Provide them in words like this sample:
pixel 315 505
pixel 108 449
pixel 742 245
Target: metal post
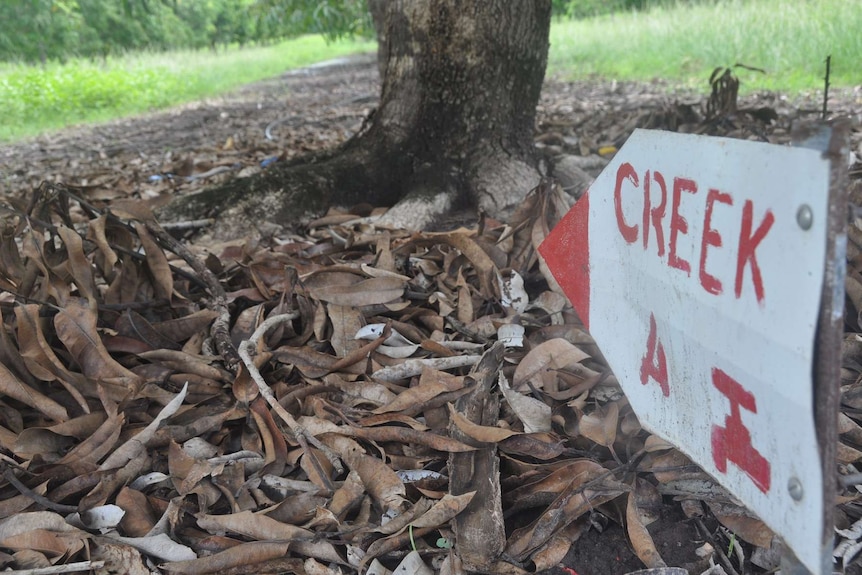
pixel 832 140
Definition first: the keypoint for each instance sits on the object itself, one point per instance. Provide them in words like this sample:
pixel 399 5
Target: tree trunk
pixel 454 127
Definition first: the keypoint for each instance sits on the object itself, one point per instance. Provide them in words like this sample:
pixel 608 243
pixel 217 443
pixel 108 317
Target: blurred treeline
pixel 42 30
pixel 589 8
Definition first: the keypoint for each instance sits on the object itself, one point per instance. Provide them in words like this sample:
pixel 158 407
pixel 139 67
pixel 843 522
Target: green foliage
pixel 43 30
pixel 559 7
pixel 39 98
pixel 32 26
pixel 684 42
pixel 590 8
pixel 332 18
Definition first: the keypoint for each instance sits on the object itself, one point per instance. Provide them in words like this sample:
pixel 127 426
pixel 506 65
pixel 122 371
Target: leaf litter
pixel 122 425
pixel 127 437
pixel 335 401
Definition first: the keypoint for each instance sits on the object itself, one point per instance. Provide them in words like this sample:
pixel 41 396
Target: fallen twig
pixel 722 556
pixel 67 568
pixel 213 172
pixel 9 476
pixel 188 224
pixel 220 329
pixel 245 350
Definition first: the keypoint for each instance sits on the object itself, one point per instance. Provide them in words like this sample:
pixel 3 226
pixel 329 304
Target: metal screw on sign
pixel 805 217
pixel 794 487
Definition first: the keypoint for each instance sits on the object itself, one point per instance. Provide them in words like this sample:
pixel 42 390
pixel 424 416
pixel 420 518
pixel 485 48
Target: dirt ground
pixel 182 150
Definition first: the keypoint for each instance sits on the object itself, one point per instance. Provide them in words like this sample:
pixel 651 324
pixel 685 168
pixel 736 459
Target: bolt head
pixel 805 217
pixel 794 487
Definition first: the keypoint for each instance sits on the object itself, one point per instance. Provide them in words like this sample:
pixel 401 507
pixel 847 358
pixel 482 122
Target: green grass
pixel 790 39
pixel 36 99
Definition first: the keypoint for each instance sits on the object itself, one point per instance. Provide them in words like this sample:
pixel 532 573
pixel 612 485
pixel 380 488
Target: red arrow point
pixel 567 253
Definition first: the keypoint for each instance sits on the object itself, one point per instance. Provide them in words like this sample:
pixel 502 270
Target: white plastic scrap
pixel 355 555
pixel 103 518
pixel 398 352
pixel 395 346
pixel 512 292
pixel 511 335
pixel 375 330
pixel 148 479
pixel 413 475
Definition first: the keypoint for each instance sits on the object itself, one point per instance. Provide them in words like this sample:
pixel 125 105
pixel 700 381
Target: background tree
pixel 460 83
pixel 31 28
pixel 42 30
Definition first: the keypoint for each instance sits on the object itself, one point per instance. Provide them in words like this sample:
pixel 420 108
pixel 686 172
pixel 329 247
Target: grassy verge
pixel 790 39
pixel 36 99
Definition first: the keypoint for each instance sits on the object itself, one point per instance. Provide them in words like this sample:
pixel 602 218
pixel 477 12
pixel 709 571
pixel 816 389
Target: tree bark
pixel 454 127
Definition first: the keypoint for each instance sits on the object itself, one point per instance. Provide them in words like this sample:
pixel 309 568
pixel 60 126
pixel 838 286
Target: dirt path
pixel 186 148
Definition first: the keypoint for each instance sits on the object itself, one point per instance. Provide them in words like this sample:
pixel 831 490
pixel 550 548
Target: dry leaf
pixel 481 433
pixel 252 525
pixel 534 414
pixel 640 538
pixel 14 388
pixel 742 522
pixel 159 546
pixel 601 425
pixel 362 293
pixel 243 554
pixel 76 328
pixel 553 354
pixel 43 520
pixel 444 510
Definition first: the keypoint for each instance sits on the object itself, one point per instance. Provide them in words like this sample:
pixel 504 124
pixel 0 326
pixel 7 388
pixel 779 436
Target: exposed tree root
pixel 420 192
pixel 288 194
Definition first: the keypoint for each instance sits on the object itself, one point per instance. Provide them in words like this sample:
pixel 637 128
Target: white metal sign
pixel 696 263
